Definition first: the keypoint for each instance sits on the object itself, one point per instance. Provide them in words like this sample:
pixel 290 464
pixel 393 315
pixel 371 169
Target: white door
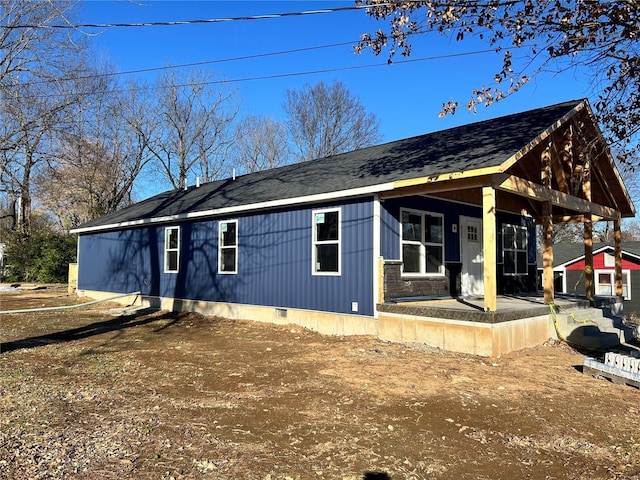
pixel 472 256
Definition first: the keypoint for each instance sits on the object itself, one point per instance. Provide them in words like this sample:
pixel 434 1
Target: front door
pixel 472 282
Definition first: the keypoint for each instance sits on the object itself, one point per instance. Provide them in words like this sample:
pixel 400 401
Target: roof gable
pixel 566 254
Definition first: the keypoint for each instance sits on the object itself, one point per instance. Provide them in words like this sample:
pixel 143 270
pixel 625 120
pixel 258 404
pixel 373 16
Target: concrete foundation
pixel 322 322
pixel 476 338
pixel 497 335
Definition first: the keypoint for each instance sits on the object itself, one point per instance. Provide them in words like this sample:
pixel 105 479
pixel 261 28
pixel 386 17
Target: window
pixel 609 260
pixel 514 250
pixel 606 286
pixel 472 234
pixel 228 247
pixel 171 249
pixel 422 243
pixel 326 241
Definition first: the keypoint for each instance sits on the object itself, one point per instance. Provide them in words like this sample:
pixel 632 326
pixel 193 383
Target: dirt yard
pixel 157 395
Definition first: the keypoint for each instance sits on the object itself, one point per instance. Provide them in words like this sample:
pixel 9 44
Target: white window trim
pixel 167 249
pixel 220 247
pixel 314 271
pixel 525 250
pixel 422 243
pixel 625 274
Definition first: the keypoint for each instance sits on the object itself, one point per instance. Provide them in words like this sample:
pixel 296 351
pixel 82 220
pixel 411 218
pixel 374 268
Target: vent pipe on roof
pixel 197 182
pixel 234 173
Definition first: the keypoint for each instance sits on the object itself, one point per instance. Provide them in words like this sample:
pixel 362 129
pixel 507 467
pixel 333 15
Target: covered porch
pixel 564 175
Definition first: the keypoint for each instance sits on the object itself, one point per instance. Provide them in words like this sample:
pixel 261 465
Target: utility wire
pixel 199 21
pixel 290 74
pixel 251 57
pixel 195 64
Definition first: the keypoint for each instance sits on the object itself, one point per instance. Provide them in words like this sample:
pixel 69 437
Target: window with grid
pixel 514 250
pixel 228 247
pixel 606 286
pixel 422 243
pixel 326 242
pixel 171 249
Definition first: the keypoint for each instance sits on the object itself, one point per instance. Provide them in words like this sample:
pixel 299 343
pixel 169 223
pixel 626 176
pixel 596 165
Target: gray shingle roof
pixel 470 147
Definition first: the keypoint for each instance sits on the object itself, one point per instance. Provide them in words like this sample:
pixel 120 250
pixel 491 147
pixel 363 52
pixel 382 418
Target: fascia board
pixel 251 207
pixel 536 141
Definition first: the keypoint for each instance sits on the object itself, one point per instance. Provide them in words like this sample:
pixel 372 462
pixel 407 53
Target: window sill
pixel 422 275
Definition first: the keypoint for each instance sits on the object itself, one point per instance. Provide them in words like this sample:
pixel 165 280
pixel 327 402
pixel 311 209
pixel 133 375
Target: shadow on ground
pixel 141 317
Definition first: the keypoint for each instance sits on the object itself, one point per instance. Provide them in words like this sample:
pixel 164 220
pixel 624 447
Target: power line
pixel 195 64
pixel 198 21
pixel 245 57
pixel 292 74
pixel 355 67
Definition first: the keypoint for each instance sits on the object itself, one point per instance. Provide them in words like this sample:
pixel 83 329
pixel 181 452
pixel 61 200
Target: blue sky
pixel 406 97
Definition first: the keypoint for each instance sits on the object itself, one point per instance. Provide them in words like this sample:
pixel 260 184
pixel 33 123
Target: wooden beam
pixel 380 274
pixel 429 186
pixel 489 239
pixel 588 258
pixel 545 159
pixel 525 188
pixel 586 178
pixel 508 183
pixel 558 168
pixel 589 286
pixel 447 177
pixel 617 246
pixel 557 219
pixel 547 253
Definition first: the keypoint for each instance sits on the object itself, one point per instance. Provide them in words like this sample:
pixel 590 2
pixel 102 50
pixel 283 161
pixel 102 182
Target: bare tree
pixel 30 115
pixel 28 45
pixel 631 232
pixel 33 102
pixel 98 157
pixel 550 35
pixel 190 128
pixel 327 120
pixel 261 143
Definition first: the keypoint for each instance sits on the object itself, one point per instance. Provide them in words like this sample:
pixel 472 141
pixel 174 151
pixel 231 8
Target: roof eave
pixel 252 207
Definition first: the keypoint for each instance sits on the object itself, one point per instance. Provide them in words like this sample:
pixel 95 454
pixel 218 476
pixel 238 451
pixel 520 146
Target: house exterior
pixel 324 243
pixel 569 269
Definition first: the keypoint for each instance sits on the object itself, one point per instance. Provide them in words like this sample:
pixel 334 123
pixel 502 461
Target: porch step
pixel 591 329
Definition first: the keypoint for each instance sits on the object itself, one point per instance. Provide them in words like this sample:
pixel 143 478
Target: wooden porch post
pixel 489 248
pixel 547 253
pixel 617 245
pixel 588 258
pixel 547 229
pixel 589 286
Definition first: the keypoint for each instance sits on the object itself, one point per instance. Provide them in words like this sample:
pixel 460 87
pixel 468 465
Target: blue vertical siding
pixel 119 261
pixel 274 261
